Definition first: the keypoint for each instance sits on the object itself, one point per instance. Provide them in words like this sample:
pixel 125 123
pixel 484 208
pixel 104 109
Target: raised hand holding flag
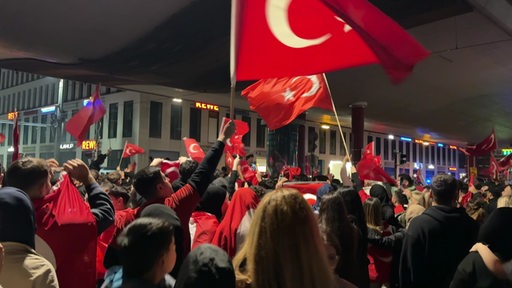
pixel 234 144
pixel 131 149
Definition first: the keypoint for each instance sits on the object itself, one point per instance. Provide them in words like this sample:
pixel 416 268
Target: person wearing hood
pixel 205 220
pixel 206 266
pixel 23 266
pixel 234 227
pixel 437 240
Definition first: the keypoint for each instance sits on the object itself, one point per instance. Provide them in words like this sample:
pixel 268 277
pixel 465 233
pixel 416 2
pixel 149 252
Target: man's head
pixel 187 168
pixel 119 197
pixel 249 158
pixel 114 178
pixel 147 249
pixel 406 181
pixel 31 175
pixel 151 183
pixel 444 189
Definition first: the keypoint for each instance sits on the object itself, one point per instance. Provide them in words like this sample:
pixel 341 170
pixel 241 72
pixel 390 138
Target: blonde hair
pixel 373 212
pixel 283 248
pixel 418 198
pixel 505 201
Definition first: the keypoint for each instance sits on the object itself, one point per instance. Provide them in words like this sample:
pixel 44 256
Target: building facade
pixel 158 123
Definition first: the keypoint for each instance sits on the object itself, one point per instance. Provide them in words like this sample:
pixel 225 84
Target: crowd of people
pixel 210 227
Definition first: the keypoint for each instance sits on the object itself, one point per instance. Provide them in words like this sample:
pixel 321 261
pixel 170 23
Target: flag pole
pixel 232 56
pixel 337 119
pixel 121 158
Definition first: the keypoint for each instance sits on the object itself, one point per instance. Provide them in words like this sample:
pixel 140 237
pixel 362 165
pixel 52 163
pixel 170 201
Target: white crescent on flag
pixel 194 148
pixel 490 144
pixel 276 12
pixel 314 89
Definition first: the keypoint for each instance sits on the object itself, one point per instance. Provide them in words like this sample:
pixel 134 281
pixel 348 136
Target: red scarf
pixel 243 200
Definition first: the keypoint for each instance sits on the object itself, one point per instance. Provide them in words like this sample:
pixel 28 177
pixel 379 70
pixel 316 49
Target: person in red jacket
pixel 154 187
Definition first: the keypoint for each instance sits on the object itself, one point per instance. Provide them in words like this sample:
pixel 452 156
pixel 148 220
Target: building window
pixel 378 150
pixel 112 120
pixel 369 139
pixel 155 119
pixel 127 118
pixel 261 132
pixel 53 128
pixel 25 131
pixel 332 142
pixel 2 130
pixel 33 138
pixel 195 124
pixel 99 129
pixel 386 150
pixel 176 114
pixel 42 136
pixel 213 126
pixel 323 141
pixel 246 139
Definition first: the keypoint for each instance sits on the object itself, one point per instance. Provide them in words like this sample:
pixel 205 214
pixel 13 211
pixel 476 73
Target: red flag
pixel 504 163
pixel 194 151
pixel 234 145
pixel 369 154
pixel 2 138
pixel 171 169
pixel 485 147
pixel 229 160
pixel 16 141
pixel 368 169
pixel 282 40
pixel 471 181
pixel 279 101
pixel 396 50
pixel 131 149
pixel 290 172
pixel 68 228
pixel 493 168
pixel 368 150
pixel 79 124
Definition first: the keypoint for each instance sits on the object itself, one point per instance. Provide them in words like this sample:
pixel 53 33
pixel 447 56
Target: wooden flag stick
pixel 121 158
pixel 337 120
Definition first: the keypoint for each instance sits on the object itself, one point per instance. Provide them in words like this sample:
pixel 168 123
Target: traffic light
pixel 312 138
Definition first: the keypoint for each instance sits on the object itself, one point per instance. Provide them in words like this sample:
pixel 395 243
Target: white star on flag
pixel 288 95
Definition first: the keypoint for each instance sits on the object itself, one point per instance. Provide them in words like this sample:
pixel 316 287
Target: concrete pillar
pixel 357 130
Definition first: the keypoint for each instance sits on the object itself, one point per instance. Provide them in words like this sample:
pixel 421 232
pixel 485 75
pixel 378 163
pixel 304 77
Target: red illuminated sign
pixel 206 106
pixel 88 145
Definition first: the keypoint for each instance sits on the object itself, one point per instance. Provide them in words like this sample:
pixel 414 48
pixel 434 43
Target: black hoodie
pixel 435 243
pixel 206 266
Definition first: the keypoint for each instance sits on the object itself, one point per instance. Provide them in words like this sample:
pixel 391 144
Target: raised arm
pixel 101 206
pixel 203 175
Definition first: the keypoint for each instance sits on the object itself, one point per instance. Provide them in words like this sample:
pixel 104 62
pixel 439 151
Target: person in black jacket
pixel 388 212
pixel 437 240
